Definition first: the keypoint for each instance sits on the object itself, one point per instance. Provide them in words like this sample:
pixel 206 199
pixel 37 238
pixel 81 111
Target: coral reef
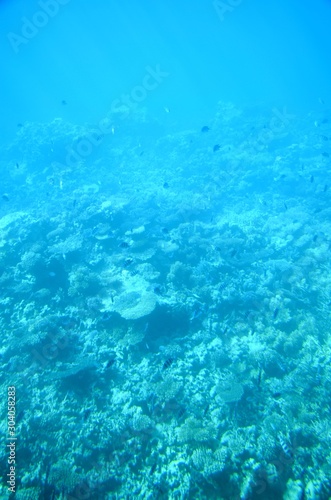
pixel 167 325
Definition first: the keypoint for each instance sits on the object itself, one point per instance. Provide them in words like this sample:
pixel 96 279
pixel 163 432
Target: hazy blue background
pixel 275 52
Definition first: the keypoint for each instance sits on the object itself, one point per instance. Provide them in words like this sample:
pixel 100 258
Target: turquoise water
pixel 165 248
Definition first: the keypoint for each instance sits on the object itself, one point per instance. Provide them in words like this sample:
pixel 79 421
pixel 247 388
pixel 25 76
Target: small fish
pixel 205 129
pixel 5 197
pixel 168 362
pixel 285 206
pixel 110 363
pixel 315 238
pixel 325 120
pixel 326 187
pixel 196 313
pixel 325 154
pixel 247 314
pixel 286 446
pixel 205 411
pixel 128 262
pixel 159 489
pixel 275 314
pixel 181 412
pixel 324 137
pixel 151 402
pixel 124 244
pixel 233 253
pixel 217 147
pixel 17 165
pixel 166 185
pixel 86 414
pixel 276 395
pixel 63 102
pixel 157 289
pixel 312 179
pixel 153 469
pixel 106 315
pixel 259 377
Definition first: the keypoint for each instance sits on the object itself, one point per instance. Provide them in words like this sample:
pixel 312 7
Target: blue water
pixel 165 249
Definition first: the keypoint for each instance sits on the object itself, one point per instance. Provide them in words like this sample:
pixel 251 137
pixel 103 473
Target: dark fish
pixel 325 120
pixel 181 412
pixel 326 187
pixel 233 253
pixel 110 363
pixel 315 238
pixel 166 185
pixel 124 244
pixel 205 128
pixel 153 469
pixel 106 315
pixel 20 125
pixel 217 147
pixel 86 414
pixel 286 446
pixel 312 179
pixel 128 262
pixel 165 230
pixel 63 102
pixel 259 377
pixel 325 154
pixel 157 289
pixel 17 165
pixel 276 395
pixel 5 197
pixel 325 138
pixel 283 176
pixel 205 411
pixel 168 362
pixel 275 314
pixel 159 489
pixel 285 206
